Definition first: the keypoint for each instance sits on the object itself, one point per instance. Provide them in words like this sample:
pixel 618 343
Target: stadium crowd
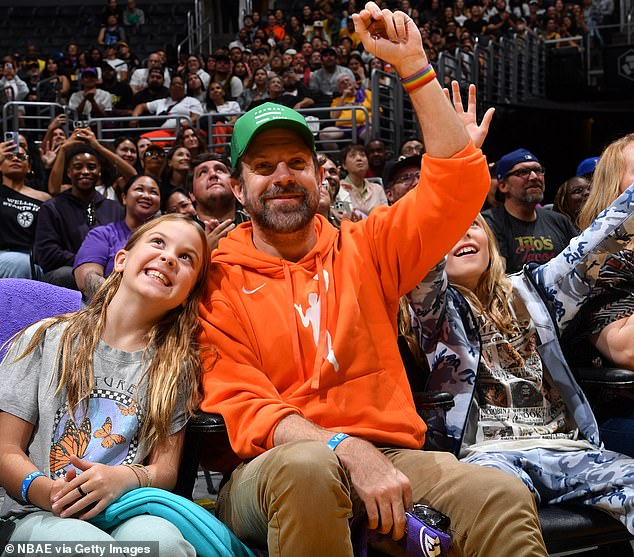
pixel 77 212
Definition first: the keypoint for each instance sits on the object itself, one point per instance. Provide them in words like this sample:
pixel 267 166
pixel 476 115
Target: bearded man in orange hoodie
pixel 301 322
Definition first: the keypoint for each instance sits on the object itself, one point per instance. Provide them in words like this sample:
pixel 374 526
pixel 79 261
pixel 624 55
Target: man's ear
pixel 390 195
pixel 119 260
pixel 236 188
pixel 503 186
pixel 321 173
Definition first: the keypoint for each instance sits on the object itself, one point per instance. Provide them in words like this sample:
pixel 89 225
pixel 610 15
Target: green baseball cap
pixel 264 117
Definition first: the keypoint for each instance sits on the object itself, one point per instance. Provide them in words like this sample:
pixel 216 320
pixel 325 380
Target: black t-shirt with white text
pixel 522 242
pixel 18 215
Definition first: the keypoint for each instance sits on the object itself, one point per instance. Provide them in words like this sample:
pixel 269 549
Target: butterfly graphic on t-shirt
pixel 128 410
pixel 108 439
pixel 73 441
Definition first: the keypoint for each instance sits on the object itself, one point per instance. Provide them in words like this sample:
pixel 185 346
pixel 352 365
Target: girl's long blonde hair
pixel 606 181
pixel 494 291
pixel 172 347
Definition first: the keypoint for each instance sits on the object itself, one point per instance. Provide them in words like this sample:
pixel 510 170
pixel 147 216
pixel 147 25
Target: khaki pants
pixel 297 499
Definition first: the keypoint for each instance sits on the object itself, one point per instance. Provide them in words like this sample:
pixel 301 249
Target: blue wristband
pixel 27 482
pixel 336 439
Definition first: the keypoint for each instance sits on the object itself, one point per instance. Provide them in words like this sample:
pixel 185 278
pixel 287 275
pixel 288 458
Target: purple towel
pixel 24 302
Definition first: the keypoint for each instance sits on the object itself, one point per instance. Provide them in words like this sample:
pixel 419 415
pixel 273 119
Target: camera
pixel 15 137
pixel 77 124
pixel 8 66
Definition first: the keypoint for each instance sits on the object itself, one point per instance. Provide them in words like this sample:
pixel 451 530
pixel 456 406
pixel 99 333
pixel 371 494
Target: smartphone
pixel 343 206
pixel 15 137
pixel 80 124
pixel 432 517
pixel 8 66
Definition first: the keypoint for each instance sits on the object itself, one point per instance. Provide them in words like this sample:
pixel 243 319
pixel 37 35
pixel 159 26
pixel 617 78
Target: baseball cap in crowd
pixel 123 43
pixel 508 161
pixel 290 51
pixel 89 71
pixel 265 117
pixel 392 167
pixel 587 166
pixel 328 50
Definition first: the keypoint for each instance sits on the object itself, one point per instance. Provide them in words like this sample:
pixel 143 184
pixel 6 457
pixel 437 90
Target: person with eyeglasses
pixel 401 176
pixel 19 208
pixel 525 232
pixel 65 220
pixel 410 147
pixel 153 161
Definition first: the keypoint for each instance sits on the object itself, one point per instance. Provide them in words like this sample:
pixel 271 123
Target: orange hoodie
pixel 318 337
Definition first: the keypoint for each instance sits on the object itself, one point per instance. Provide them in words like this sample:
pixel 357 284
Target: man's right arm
pixel 385 491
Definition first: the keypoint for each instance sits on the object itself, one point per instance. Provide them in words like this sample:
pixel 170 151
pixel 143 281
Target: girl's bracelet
pixel 419 79
pixel 142 474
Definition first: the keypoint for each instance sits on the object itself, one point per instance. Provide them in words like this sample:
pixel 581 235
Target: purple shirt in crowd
pixel 102 244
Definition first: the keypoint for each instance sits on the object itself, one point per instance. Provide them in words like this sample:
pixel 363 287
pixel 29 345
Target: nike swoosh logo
pixel 254 290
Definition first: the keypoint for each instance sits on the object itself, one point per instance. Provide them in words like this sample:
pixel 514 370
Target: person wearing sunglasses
pixel 526 233
pixel 19 207
pixel 153 161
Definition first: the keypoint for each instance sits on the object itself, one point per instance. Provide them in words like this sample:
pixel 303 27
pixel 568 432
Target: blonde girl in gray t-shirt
pixel 93 404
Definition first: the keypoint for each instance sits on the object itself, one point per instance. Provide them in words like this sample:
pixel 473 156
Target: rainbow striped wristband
pixel 419 79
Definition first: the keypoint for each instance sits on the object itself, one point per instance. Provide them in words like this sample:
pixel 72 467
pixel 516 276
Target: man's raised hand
pixel 391 36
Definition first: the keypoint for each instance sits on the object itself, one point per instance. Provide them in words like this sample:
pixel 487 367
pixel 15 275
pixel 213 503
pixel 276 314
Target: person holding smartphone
pixel 13 87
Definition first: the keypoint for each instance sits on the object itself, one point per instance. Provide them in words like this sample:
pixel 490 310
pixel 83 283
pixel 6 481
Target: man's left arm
pixel 414 234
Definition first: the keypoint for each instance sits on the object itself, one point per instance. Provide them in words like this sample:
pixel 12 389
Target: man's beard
pixel 281 219
pixel 533 197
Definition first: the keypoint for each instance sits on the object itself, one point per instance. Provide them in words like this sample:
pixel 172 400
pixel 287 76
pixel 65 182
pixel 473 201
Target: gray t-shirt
pixel 107 433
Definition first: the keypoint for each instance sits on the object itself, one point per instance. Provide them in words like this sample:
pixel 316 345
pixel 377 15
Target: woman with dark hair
pixel 178 201
pixel 219 128
pixel 355 63
pixel 195 87
pixel 257 91
pixel 125 148
pixel 192 139
pixel 177 165
pixel 571 196
pixel 53 87
pixel 242 72
pixel 95 258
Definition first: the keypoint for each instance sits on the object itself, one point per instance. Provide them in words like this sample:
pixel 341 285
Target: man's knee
pixel 307 462
pixel 505 487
